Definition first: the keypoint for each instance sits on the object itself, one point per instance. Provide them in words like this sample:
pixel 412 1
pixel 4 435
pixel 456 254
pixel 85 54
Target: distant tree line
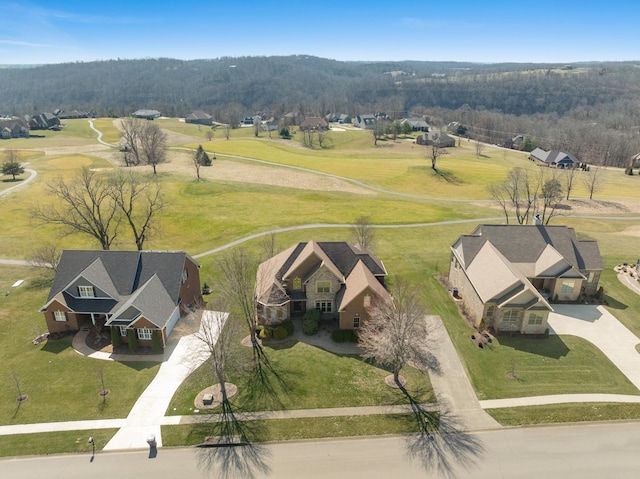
pixel 591 109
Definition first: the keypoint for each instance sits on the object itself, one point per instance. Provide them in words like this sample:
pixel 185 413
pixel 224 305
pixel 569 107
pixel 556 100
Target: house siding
pixel 323 274
pixel 73 322
pixel 190 292
pixel 472 302
pixel 356 308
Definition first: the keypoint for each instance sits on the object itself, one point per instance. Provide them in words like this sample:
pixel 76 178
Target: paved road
pixel 576 451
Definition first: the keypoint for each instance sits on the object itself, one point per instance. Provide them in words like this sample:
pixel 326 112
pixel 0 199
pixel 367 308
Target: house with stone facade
pixel 338 279
pixel 141 293
pixel 508 275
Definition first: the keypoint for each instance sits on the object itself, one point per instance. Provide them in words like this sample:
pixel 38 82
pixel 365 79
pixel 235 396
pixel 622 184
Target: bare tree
pixel 237 269
pixel 217 335
pixel 500 194
pixel 138 198
pixel 551 197
pixel 569 176
pixel 46 256
pixel 479 148
pixel 153 145
pixel 379 130
pixel 227 130
pixel 593 180
pixel 435 151
pixel 324 138
pixel 522 189
pixel 87 206
pixel 269 246
pixel 209 134
pixel 131 131
pixel 363 233
pixel 397 332
pixel 195 161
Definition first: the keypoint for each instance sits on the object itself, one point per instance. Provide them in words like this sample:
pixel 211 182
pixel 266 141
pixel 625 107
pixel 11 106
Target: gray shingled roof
pixel 121 274
pixel 525 244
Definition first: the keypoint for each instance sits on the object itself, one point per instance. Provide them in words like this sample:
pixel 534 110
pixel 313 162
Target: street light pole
pixel 93 446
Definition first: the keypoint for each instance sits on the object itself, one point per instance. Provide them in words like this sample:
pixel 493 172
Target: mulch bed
pixel 232 390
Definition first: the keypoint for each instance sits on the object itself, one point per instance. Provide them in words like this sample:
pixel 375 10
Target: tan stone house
pixel 145 292
pixel 340 280
pixel 507 275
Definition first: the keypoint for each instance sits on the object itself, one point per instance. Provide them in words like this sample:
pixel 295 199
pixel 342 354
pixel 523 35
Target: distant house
pixel 554 159
pixel 515 142
pixel 13 128
pixel 366 122
pixel 340 280
pixel 507 274
pixel 43 121
pixel 199 117
pixel 338 118
pixel 438 137
pixel 314 123
pixel 73 114
pixel 272 124
pixel 146 114
pixel 138 293
pixel 417 124
pixel 292 118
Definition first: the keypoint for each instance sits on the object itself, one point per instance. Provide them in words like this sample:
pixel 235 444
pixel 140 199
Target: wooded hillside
pixel 553 103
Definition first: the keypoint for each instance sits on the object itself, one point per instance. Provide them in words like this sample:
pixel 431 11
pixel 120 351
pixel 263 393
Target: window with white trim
pixel 567 287
pixel 144 333
pixel 510 316
pixel 324 306
pixel 323 286
pixel 535 318
pixel 297 283
pixel 59 315
pixel 86 292
pixel 184 275
pixel 491 310
pixel 123 330
pixel 356 322
pixel 367 300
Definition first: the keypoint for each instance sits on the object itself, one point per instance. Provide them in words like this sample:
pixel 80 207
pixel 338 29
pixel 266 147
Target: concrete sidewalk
pixel 558 399
pixel 452 386
pixel 183 357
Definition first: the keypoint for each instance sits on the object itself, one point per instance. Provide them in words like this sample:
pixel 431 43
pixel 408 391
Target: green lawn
pixel 310 378
pixel 297 429
pixel 575 412
pixel 54 442
pixel 61 385
pixel 200 216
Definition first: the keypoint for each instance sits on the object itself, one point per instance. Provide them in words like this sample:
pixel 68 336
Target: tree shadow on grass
pixel 441 445
pixel 551 347
pixel 56 346
pixel 229 451
pixel 448 176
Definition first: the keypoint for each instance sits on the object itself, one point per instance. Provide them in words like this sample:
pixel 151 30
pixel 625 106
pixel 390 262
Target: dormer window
pixel 86 292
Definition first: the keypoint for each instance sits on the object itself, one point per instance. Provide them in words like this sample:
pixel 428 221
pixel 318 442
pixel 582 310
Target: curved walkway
pixel 79 345
pixel 32 176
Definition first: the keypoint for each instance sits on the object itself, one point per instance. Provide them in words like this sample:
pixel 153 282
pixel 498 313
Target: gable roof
pixel 553 157
pixel 338 257
pixel 358 281
pixel 149 280
pixel 526 244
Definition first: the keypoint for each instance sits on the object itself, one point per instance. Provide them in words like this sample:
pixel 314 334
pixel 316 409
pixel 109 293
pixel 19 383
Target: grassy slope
pixel 202 216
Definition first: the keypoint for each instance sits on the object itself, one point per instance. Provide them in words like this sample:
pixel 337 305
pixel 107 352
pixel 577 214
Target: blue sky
pixel 496 31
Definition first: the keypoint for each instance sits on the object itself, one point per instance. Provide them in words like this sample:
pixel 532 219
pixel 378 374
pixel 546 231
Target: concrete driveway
pixel 600 327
